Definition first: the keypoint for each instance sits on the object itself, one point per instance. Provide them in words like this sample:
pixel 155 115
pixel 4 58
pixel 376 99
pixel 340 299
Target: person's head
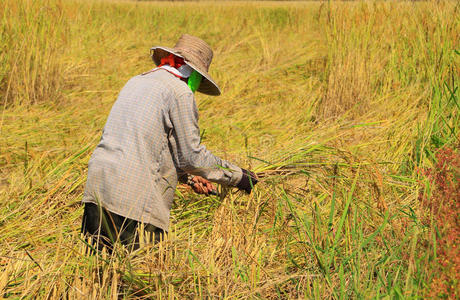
pixel 197 55
pixel 182 70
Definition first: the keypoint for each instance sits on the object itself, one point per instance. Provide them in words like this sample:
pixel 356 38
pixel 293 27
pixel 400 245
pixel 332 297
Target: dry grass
pixel 336 104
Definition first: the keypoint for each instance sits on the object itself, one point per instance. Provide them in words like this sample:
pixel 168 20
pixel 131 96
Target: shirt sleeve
pixel 182 176
pixel 188 154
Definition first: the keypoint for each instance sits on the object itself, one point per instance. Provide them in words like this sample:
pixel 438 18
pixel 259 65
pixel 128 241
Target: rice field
pixel 348 111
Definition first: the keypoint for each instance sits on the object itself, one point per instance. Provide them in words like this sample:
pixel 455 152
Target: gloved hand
pixel 248 181
pixel 201 185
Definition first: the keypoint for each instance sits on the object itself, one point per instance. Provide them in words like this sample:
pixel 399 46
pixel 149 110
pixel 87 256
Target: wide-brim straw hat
pixel 197 54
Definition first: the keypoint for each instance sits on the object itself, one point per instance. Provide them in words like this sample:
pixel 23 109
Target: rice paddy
pixel 348 111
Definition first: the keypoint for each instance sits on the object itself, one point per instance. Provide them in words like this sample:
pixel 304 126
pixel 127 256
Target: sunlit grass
pixel 337 106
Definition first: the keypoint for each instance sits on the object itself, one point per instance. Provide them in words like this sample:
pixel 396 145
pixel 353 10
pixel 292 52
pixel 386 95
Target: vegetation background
pixel 348 112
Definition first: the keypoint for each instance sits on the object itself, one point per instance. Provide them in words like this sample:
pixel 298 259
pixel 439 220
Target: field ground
pixel 349 111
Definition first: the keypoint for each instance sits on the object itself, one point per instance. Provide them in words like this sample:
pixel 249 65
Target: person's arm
pixel 189 155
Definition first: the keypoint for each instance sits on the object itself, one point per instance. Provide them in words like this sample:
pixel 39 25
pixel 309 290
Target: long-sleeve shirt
pixel 151 136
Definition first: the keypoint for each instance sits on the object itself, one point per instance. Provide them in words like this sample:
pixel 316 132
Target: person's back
pixel 133 156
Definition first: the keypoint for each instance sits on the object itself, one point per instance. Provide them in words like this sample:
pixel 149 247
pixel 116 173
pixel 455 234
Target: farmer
pixel 150 142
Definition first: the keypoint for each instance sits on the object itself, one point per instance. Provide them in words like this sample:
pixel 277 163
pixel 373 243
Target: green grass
pixel 338 106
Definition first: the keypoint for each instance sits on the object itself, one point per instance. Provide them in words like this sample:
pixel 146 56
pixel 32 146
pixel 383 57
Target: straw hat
pixel 197 54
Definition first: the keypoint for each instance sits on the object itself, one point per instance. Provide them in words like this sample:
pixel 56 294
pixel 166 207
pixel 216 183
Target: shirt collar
pixel 183 71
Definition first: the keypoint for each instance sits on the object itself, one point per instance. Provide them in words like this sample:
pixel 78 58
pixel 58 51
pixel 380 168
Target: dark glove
pixel 248 181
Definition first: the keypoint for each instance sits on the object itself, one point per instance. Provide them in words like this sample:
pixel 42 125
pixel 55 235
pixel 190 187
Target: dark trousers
pixel 105 228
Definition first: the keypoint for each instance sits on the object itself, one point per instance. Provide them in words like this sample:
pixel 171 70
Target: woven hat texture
pixel 197 54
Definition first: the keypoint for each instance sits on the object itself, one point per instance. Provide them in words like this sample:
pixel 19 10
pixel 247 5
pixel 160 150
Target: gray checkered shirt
pixel 150 139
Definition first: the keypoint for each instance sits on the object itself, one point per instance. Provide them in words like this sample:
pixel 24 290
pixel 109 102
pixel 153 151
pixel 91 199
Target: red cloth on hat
pixel 173 61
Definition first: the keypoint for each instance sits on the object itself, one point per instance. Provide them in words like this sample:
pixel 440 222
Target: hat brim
pixel 207 86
